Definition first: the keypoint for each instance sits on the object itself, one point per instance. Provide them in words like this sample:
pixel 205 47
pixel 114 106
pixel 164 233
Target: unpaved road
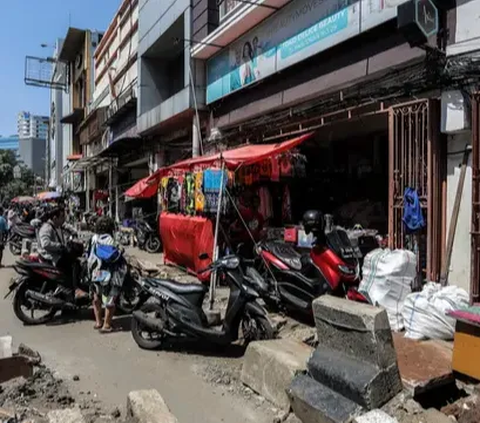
pixel 111 365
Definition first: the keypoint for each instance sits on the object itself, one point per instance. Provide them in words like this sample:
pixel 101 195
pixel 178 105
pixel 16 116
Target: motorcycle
pixel 41 289
pixel 147 237
pixel 17 234
pixel 175 311
pixel 291 280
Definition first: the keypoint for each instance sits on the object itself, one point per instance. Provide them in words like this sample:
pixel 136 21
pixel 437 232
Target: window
pixel 227 6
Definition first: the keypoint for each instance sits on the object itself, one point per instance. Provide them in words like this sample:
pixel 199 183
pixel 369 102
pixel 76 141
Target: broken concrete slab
pixel 429 416
pixel 269 367
pixel 148 406
pixel 16 366
pixel 69 415
pixel 375 416
pixel 359 330
pixel 423 365
pixel 6 346
pixel 313 402
pixel 364 383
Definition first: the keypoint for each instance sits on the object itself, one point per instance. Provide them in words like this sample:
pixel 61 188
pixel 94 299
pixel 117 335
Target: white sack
pixel 425 312
pixel 387 279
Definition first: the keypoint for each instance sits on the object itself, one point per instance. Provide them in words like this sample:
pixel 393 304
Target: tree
pixel 9 186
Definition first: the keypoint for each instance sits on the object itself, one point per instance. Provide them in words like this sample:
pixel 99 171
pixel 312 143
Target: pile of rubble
pixel 31 393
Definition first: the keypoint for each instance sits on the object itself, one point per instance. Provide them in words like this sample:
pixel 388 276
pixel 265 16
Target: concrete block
pixel 315 403
pixel 363 383
pixel 269 367
pixel 69 415
pixel 13 367
pixel 359 330
pixel 148 406
pixel 375 416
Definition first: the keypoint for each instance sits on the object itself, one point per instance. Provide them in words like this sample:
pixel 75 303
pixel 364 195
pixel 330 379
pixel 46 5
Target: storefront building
pixel 169 99
pixel 346 72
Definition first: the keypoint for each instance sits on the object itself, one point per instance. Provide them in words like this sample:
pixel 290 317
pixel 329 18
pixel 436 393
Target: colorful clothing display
pixel 199 197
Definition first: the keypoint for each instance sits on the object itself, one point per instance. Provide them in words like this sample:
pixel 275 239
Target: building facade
pixel 31 126
pixel 171 91
pixel 32 152
pixel 9 143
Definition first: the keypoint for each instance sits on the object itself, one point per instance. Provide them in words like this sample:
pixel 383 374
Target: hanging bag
pixel 412 211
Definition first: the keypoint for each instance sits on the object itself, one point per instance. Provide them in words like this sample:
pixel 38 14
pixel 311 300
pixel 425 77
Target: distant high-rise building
pixel 32 126
pixel 9 143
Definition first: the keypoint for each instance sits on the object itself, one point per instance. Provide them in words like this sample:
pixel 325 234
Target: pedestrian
pixel 103 295
pixel 3 234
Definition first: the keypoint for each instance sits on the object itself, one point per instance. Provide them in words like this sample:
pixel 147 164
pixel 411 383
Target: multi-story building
pixel 31 126
pixel 171 88
pixel 32 152
pixel 9 143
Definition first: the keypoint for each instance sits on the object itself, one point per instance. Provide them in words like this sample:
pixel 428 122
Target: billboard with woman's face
pixel 300 30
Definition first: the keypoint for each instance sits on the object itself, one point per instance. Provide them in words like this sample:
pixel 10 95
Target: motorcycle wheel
pixel 129 299
pixel 153 245
pixel 20 301
pixel 256 328
pixel 146 338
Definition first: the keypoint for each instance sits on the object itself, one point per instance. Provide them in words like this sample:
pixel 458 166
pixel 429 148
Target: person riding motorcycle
pixel 53 237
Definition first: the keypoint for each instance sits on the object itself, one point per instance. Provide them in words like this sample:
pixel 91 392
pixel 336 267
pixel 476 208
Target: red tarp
pixel 246 155
pixel 184 239
pixel 145 188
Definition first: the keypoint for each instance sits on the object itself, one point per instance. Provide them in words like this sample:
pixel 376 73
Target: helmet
pixel 313 221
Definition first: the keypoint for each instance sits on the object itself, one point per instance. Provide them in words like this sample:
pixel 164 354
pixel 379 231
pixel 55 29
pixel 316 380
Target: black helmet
pixel 313 221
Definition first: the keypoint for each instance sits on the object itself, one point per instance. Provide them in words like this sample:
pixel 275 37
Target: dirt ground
pixel 32 398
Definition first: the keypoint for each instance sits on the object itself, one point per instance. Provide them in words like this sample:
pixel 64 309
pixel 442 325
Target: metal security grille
pixel 46 73
pixel 414 162
pixel 475 238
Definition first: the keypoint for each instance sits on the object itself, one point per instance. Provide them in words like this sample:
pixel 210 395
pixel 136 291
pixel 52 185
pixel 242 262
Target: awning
pixel 233 159
pixel 145 188
pixel 73 118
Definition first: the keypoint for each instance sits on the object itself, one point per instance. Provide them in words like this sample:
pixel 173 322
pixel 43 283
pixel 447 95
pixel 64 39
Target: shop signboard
pixel 300 30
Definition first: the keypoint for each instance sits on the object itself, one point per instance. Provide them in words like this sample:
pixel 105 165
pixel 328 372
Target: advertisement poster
pixel 300 30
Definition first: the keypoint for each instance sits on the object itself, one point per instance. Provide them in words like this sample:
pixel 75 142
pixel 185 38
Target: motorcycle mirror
pixel 203 256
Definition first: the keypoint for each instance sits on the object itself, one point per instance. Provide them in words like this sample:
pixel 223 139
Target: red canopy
pixel 245 155
pixel 145 188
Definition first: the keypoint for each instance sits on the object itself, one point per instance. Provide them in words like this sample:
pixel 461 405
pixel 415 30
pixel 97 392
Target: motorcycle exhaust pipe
pixel 45 299
pixel 148 321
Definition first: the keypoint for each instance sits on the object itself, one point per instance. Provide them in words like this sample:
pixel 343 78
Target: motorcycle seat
pixel 286 253
pixel 179 288
pixel 25 230
pixel 36 265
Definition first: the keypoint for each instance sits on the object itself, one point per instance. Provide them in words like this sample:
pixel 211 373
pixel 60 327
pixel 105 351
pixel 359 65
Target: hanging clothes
pixel 211 188
pixel 164 193
pixel 266 204
pixel 275 166
pixel 412 211
pixel 174 193
pixel 199 197
pixel 286 206
pixel 266 170
pixel 286 168
pixel 189 193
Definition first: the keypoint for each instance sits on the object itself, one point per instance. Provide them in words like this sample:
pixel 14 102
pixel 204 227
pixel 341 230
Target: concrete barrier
pixel 69 415
pixel 148 406
pixel 354 367
pixel 359 330
pixel 269 367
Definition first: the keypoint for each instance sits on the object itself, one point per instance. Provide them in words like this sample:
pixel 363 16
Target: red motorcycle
pixel 291 280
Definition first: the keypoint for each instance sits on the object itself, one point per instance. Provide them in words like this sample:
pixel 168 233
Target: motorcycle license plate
pixel 101 276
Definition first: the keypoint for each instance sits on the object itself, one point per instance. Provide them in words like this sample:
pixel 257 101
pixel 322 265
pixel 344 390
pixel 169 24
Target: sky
pixel 25 24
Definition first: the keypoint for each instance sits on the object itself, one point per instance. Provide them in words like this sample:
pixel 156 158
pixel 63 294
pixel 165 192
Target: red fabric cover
pixel 246 155
pixel 184 239
pixel 144 188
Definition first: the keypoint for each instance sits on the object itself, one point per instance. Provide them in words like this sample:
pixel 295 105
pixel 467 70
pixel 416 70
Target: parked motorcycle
pixel 17 234
pixel 175 311
pixel 40 289
pixel 147 237
pixel 291 280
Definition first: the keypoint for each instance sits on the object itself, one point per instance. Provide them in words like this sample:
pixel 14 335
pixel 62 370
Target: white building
pixel 31 126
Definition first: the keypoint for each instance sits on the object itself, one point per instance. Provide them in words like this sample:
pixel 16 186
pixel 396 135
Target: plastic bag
pixel 387 279
pixel 425 313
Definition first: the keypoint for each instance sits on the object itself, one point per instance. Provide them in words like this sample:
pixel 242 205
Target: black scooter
pixel 17 234
pixel 176 311
pixel 147 237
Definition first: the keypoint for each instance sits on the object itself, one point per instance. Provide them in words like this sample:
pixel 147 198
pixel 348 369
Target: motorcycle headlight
pixel 346 270
pixel 231 262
